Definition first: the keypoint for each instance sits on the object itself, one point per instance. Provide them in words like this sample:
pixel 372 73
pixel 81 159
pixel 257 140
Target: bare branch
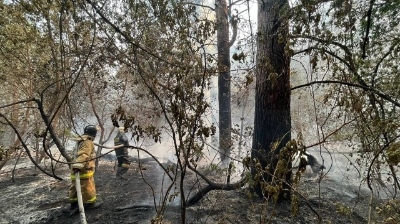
pixel 330 134
pixel 234 3
pixel 329 42
pixel 233 23
pixel 19 102
pixel 328 52
pixel 26 148
pixel 212 186
pixel 375 157
pixel 200 5
pixel 127 37
pixel 364 87
pixel 366 39
pixel 53 134
pixel 390 50
pixel 155 159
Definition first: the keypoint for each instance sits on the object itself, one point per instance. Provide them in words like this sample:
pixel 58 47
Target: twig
pixel 16 162
pixel 26 148
pixel 375 157
pixel 144 179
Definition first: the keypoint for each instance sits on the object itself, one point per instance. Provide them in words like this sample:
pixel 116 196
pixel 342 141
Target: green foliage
pixel 214 168
pixel 343 209
pixel 239 57
pixel 352 50
pixel 3 153
pixel 275 187
pixel 394 153
pixel 389 211
pixel 156 62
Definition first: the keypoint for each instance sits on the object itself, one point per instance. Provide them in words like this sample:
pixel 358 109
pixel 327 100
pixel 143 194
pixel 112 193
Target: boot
pixel 118 174
pixel 74 209
pixel 94 205
pixel 121 170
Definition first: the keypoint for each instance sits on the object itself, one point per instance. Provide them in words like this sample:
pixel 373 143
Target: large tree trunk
pixel 272 101
pixel 224 81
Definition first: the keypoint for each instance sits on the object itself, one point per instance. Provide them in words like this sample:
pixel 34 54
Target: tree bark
pixel 224 81
pixel 272 122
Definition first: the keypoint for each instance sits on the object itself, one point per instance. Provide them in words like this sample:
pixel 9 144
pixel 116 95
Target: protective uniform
pixel 83 154
pixel 122 153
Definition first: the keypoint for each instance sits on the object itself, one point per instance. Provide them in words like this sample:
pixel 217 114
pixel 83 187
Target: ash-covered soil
pixel 34 197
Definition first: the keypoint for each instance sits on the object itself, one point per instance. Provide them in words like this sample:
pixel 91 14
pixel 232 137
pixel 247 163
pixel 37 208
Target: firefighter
pixel 122 153
pixel 84 153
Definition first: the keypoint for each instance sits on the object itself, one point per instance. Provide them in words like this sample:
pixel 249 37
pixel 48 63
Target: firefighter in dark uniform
pixel 122 153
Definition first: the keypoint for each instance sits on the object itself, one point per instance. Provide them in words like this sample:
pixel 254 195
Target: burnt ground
pixel 34 197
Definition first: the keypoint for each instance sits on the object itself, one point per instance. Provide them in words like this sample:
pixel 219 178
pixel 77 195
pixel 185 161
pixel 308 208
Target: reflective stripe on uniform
pixel 92 200
pixel 125 165
pixel 82 176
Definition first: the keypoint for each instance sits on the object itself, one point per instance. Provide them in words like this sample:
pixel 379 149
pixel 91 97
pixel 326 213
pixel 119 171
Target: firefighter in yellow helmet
pixel 84 153
pixel 122 153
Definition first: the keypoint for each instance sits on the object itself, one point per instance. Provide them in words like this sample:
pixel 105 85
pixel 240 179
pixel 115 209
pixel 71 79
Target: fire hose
pixel 79 195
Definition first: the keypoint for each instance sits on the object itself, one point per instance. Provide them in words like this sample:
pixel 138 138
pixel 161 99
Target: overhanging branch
pixel 126 37
pixel 26 148
pixel 365 42
pixel 364 87
pixel 329 42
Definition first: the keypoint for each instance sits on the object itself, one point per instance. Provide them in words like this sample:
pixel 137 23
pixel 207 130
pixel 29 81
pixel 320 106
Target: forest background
pixel 211 88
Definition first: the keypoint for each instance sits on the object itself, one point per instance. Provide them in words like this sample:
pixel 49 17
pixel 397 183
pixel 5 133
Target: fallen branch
pixel 212 186
pixel 121 208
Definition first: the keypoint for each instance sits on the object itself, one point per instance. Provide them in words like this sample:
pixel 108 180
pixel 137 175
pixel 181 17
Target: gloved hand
pixel 74 170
